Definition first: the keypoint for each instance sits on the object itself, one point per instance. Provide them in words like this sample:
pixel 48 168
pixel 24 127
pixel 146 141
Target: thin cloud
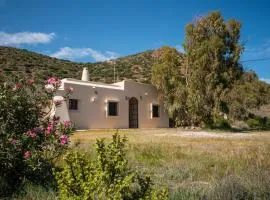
pixel 267 80
pixel 30 38
pixel 76 53
pixel 112 54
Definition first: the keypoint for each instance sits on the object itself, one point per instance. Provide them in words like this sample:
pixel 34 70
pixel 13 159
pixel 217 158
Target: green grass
pixel 193 165
pixel 33 192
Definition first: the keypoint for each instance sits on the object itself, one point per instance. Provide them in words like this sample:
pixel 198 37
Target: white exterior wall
pixel 92 114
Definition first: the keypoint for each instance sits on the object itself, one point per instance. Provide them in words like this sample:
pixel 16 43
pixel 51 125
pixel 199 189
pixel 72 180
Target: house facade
pixel 124 104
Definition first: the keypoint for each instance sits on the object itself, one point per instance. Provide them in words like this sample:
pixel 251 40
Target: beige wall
pixel 92 114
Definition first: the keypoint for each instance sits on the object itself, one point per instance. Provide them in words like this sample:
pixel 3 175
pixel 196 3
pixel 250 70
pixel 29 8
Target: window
pixel 73 104
pixel 155 110
pixel 112 108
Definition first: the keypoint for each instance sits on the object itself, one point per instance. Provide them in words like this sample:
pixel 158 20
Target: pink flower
pixel 18 86
pixel 54 81
pixel 57 103
pixel 30 82
pixel 27 154
pixel 52 84
pixel 64 139
pixel 67 124
pixel 13 141
pixel 69 89
pixel 49 129
pixel 31 134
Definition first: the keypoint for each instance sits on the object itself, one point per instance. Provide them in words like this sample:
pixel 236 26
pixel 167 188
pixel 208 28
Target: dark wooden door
pixel 133 113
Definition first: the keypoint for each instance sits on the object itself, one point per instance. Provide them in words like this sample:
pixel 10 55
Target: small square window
pixel 112 108
pixel 73 104
pixel 155 110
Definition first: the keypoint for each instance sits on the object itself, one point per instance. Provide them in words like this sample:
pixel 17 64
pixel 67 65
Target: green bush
pixel 108 177
pixel 218 123
pixel 267 123
pixel 256 122
pixel 30 138
pixel 222 123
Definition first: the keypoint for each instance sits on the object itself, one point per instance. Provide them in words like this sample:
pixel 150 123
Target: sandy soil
pixel 178 132
pixel 209 134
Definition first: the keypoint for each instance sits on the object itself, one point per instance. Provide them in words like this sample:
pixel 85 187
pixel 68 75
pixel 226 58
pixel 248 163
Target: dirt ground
pixel 210 134
pixel 177 132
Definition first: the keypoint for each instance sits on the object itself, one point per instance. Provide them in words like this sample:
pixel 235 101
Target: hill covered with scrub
pixel 22 63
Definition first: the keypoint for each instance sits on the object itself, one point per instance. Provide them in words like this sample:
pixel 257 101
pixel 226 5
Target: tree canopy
pixel 203 84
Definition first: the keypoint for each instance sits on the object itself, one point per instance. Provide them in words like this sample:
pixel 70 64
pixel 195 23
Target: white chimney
pixel 85 74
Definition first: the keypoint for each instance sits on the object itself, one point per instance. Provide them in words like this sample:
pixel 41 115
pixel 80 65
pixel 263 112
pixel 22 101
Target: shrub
pixel 221 123
pixel 256 122
pixel 267 123
pixel 31 139
pixel 108 177
pixel 218 123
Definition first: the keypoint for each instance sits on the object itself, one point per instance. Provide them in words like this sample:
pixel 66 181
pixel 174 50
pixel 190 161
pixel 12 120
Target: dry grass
pixel 195 163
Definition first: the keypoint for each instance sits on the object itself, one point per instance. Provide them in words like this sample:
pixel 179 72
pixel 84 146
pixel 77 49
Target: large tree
pixel 212 51
pixel 207 83
pixel 169 77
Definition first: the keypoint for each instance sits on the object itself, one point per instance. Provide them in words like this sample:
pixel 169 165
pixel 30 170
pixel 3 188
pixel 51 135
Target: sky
pixel 98 30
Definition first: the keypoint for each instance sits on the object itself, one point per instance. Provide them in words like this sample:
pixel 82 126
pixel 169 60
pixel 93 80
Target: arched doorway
pixel 133 113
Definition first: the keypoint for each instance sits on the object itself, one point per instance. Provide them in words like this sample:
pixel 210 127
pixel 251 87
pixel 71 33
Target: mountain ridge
pixel 18 63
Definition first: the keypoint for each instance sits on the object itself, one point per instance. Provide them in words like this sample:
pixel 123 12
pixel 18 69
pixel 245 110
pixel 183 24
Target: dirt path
pixel 209 134
pixel 176 132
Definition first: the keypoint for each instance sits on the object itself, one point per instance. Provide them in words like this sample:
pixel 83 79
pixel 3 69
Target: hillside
pixel 22 63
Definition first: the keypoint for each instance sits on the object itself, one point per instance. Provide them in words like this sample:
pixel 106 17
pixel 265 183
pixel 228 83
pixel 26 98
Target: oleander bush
pixel 107 177
pixel 31 138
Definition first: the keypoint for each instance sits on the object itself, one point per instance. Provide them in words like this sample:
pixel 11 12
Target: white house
pixel 124 104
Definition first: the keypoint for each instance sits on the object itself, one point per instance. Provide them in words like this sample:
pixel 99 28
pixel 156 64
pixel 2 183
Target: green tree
pixel 207 83
pixel 247 93
pixel 212 50
pixel 168 75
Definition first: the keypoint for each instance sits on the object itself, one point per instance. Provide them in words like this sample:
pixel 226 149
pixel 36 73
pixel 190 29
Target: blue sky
pixel 90 31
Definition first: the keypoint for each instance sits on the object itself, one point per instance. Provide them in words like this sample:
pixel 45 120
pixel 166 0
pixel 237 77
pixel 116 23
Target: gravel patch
pixel 205 134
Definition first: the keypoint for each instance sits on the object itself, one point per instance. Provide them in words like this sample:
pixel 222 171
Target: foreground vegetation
pixel 31 140
pixel 193 165
pixel 108 176
pixel 196 165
